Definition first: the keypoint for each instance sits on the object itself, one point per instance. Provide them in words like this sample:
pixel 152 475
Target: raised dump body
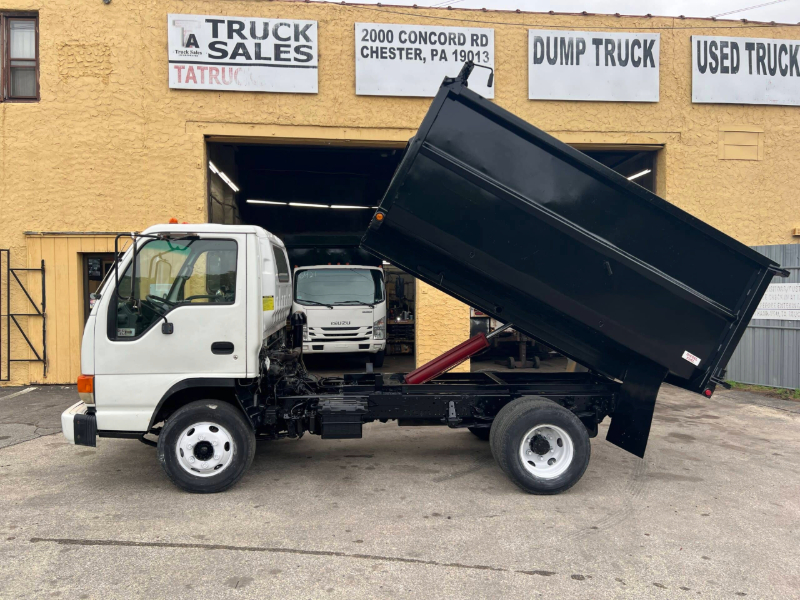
pixel 505 217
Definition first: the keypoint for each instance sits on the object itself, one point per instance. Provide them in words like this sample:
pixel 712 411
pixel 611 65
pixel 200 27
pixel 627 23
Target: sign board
pixel 242 54
pixel 412 60
pixel 593 65
pixel 781 301
pixel 735 70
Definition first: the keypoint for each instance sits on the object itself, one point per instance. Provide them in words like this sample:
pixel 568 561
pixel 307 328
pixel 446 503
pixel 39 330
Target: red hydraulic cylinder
pixel 448 360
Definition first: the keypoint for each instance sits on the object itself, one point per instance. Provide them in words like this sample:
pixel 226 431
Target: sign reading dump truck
pixel 203 367
pixel 593 65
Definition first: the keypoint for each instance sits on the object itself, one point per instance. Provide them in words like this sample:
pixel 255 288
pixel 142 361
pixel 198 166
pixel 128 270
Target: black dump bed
pixel 497 213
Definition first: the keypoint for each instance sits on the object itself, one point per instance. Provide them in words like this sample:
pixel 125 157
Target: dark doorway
pixel 319 199
pixel 637 165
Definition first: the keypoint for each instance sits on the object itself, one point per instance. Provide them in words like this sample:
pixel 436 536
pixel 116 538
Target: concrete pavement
pixel 712 512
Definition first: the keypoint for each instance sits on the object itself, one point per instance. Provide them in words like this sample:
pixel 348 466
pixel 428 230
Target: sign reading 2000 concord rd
pixel 731 70
pixel 242 53
pixel 593 65
pixel 412 60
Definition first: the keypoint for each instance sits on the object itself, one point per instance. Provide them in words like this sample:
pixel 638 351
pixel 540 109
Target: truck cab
pixel 194 309
pixel 345 309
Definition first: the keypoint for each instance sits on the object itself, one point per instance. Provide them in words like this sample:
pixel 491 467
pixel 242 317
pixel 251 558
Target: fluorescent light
pixel 346 206
pixel 308 205
pixel 250 201
pixel 222 176
pixel 375 207
pixel 639 174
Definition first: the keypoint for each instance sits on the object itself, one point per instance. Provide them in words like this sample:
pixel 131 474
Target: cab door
pixel 194 287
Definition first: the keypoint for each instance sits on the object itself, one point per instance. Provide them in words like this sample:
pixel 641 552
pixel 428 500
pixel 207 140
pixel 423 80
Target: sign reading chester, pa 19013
pixel 412 60
pixel 731 70
pixel 593 65
pixel 242 53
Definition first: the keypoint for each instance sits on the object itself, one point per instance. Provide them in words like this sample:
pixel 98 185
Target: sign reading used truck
pixel 593 65
pixel 242 54
pixel 735 70
pixel 412 60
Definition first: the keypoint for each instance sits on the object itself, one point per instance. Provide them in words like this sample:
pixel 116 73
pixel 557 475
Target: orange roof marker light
pixel 379 216
pixel 173 221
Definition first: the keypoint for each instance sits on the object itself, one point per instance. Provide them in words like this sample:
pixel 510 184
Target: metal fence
pixel 769 352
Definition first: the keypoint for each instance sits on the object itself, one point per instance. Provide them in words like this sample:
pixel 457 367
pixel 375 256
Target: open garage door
pixel 319 201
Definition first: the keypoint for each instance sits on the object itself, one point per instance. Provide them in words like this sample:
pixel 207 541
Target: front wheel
pixel 377 359
pixel 542 446
pixel 206 446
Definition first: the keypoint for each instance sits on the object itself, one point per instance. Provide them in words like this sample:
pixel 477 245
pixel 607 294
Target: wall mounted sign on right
pixel 735 70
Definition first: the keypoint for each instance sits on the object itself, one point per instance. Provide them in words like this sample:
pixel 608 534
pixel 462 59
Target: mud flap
pixel 634 406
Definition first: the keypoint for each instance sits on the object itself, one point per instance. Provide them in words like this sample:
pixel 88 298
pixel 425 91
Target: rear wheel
pixel 542 446
pixel 206 446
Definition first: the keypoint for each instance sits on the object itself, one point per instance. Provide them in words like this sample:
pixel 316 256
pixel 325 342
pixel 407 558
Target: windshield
pixel 339 286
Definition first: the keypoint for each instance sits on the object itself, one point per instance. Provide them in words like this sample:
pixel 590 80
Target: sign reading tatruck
pixel 242 53
pixel 412 60
pixel 593 65
pixel 734 70
pixel 782 301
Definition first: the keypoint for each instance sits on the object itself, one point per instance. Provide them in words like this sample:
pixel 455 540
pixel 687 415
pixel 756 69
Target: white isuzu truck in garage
pixel 345 309
pixel 186 347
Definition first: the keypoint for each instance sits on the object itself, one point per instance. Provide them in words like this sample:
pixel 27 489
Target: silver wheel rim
pixel 555 460
pixel 204 449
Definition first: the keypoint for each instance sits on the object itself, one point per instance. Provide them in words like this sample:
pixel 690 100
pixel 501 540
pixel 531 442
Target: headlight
pixel 379 329
pixel 305 334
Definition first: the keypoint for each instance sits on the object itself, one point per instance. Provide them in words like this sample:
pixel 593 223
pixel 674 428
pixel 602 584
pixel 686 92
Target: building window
pixel 20 56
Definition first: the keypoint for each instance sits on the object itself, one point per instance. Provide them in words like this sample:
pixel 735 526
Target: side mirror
pixel 167 328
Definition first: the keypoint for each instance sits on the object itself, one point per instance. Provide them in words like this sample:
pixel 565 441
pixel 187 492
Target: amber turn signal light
pixel 86 388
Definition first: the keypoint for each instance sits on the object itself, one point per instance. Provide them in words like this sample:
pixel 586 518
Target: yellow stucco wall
pixel 110 147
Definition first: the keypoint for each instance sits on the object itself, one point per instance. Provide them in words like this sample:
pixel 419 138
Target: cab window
pixel 169 274
pixel 282 264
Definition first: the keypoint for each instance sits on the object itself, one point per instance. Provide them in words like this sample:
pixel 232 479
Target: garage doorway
pixel 638 166
pixel 319 199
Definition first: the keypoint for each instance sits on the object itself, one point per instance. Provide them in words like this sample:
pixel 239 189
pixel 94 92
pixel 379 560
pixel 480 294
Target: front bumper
pixel 79 426
pixel 341 347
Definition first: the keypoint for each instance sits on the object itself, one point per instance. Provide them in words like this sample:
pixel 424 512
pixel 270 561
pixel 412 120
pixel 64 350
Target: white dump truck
pixel 186 345
pixel 345 309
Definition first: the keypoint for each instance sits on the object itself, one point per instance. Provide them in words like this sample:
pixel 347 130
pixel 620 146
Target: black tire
pixel 377 359
pixel 482 433
pixel 219 413
pixel 508 432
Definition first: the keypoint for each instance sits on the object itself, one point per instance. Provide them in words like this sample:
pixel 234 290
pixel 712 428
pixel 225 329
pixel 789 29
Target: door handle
pixel 222 348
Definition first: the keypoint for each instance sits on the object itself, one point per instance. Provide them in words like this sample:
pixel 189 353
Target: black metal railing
pixel 10 317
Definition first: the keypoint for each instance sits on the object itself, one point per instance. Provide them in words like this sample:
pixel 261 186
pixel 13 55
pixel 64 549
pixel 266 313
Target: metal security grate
pixel 9 279
pixel 769 351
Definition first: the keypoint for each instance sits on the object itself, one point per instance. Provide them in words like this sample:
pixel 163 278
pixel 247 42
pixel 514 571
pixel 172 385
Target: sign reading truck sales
pixel 242 53
pixel 412 60
pixel 745 70
pixel 593 65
